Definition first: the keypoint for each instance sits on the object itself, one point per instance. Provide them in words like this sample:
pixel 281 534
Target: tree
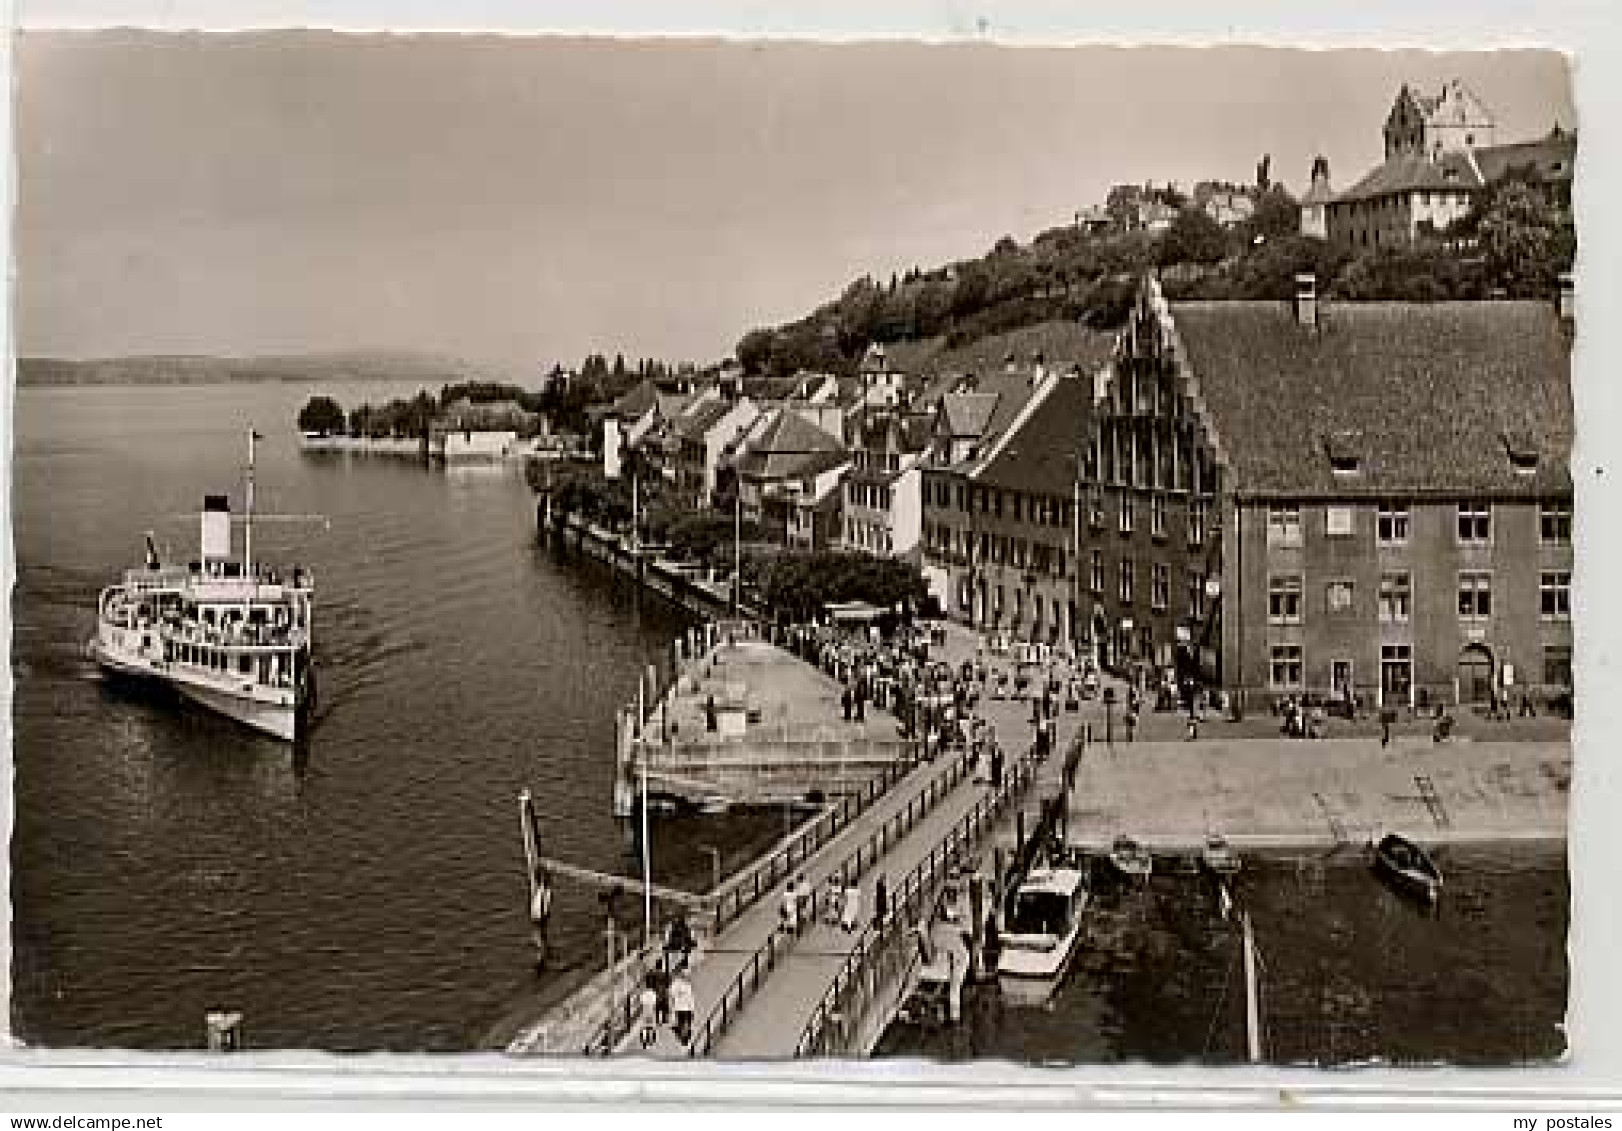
pixel 1525 242
pixel 755 350
pixel 321 415
pixel 1277 215
pixel 1192 238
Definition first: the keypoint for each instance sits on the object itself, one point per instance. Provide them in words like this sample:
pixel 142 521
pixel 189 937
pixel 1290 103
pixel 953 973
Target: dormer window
pixel 1345 451
pixel 1522 451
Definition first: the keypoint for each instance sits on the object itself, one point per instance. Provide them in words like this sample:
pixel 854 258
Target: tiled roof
pixel 1431 397
pixel 790 447
pixel 1449 172
pixel 696 424
pixel 1041 457
pixel 636 403
pixel 1552 158
pixel 967 414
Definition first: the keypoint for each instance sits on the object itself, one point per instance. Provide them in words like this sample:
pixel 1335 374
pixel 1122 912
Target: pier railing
pixel 884 951
pixel 766 956
pixel 743 890
pixel 735 897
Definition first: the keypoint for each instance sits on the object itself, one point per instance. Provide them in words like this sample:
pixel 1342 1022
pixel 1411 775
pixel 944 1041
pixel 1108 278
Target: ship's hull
pixel 280 716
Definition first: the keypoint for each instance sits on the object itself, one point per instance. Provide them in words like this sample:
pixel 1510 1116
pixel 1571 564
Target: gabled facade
pixel 1382 491
pixel 702 435
pixel 883 500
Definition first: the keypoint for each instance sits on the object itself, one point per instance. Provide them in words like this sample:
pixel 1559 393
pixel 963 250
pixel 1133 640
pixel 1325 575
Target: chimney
pixel 1568 297
pixel 1320 171
pixel 1306 299
pixel 1041 370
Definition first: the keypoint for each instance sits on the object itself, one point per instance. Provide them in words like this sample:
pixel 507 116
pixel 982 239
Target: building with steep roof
pixel 992 541
pixel 782 468
pixel 1315 201
pixel 703 434
pixel 883 497
pixel 1377 497
pixel 1439 155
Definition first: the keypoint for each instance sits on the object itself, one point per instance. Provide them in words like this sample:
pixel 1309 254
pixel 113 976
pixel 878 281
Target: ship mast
pixel 247 530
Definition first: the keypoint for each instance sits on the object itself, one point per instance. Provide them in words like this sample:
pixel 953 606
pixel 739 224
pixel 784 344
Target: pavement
pixel 791 697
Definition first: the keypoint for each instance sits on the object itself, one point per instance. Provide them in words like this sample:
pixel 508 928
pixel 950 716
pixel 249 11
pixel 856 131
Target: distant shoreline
pixel 103 381
pixel 192 369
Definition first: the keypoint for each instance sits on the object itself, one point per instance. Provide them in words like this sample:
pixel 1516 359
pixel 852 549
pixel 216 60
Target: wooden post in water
pixel 1253 1027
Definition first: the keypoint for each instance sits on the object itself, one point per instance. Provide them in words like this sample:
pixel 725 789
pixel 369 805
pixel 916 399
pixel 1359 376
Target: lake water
pixel 368 892
pixel 1350 971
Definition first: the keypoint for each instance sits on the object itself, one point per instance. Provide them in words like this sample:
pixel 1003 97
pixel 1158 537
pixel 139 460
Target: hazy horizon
pixel 519 200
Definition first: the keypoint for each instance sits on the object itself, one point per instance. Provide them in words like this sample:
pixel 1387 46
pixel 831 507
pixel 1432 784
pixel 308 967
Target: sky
pixel 515 201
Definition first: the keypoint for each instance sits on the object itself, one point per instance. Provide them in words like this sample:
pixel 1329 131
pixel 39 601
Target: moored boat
pixel 232 636
pixel 1408 867
pixel 1130 859
pixel 1042 934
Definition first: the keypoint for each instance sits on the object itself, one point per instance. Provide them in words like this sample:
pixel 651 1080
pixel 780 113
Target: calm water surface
pixel 1351 972
pixel 369 893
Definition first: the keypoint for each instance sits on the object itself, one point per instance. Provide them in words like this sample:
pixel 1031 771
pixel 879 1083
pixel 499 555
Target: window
pixel 1337 521
pixel 1554 524
pixel 1557 665
pixel 1554 595
pixel 1284 669
pixel 1284 599
pixel 1283 526
pixel 1160 586
pixel 1196 596
pixel 1017 499
pixel 1475 522
pixel 996 503
pixel 1475 595
pixel 1125 583
pixel 1124 520
pixel 1338 596
pixel 1197 516
pixel 1396 597
pixel 1157 516
pixel 1391 526
pixel 1098 571
pixel 1096 506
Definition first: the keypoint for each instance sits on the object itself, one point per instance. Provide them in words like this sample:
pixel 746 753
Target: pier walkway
pixel 757 989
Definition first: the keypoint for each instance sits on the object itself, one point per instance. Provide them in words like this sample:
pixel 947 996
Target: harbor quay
pixel 743 721
pixel 1289 793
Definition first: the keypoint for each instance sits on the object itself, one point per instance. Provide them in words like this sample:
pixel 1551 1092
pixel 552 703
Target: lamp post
pixel 715 864
pixel 737 544
pixel 1109 718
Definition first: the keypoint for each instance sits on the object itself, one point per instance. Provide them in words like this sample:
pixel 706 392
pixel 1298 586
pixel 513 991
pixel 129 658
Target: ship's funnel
pixel 216 528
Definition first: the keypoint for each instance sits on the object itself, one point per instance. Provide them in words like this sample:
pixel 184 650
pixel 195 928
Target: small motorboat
pixel 1408 867
pixel 1042 934
pixel 1218 856
pixel 1130 859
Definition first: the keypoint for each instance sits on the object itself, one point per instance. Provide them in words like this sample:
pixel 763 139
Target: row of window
pixel 1287 664
pixel 866 536
pixel 1285 605
pixel 871 495
pixel 1039 510
pixel 1391 524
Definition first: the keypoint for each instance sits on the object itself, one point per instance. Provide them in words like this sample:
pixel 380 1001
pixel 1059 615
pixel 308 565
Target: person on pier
pixel 851 906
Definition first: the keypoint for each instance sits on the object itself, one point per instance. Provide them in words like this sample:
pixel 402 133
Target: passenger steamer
pixel 230 635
